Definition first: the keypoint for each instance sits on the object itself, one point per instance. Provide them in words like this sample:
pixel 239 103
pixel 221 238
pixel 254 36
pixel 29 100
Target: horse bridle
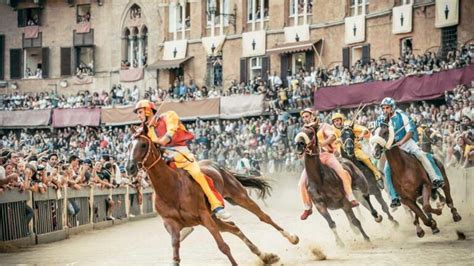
pixel 345 141
pixel 307 149
pixel 141 164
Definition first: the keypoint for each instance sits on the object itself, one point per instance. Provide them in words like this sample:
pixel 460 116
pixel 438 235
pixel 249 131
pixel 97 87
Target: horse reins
pixel 141 164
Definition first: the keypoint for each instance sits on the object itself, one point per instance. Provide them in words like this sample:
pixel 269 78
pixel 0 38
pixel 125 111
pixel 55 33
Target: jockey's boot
pixel 437 183
pixel 395 203
pixel 306 213
pixel 222 214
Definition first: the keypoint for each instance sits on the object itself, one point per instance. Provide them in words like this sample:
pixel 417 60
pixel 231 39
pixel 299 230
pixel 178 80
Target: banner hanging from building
pixel 28 118
pixel 254 43
pixel 355 29
pixel 447 13
pixel 174 50
pixel 407 89
pixel 115 116
pixel 76 116
pixel 233 107
pixel 402 19
pixel 297 33
pixel 213 45
pixel 191 110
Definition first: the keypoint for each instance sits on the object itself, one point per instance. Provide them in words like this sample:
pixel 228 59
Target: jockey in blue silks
pixel 406 137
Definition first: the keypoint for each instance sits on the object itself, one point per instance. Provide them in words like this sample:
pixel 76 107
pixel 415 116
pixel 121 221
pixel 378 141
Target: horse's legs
pixel 244 201
pixel 383 204
pixel 368 205
pixel 267 258
pixel 351 216
pixel 419 213
pixel 426 200
pixel 174 230
pixel 449 199
pixel 419 231
pixel 324 212
pixel 211 225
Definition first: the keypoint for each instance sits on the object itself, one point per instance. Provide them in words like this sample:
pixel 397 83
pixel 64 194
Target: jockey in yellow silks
pixel 360 132
pixel 167 130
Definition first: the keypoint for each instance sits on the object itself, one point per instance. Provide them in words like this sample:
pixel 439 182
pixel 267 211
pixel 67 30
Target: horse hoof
pixel 420 233
pixel 294 239
pixel 457 217
pixel 435 231
pixel 367 239
pixel 269 258
pixel 175 263
pixel 379 218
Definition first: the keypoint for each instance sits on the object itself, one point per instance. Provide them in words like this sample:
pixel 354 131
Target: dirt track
pixel 147 243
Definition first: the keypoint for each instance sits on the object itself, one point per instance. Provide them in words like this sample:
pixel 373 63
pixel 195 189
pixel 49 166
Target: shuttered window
pixel 45 61
pixel 346 61
pixel 243 70
pixel 15 63
pixel 265 67
pixel 366 54
pixel 66 61
pixel 2 57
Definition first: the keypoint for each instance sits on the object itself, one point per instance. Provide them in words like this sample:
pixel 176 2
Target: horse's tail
pixel 249 181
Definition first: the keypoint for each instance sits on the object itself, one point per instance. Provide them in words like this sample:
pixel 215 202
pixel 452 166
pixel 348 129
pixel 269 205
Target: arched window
pixel 143 47
pixel 125 36
pixel 134 39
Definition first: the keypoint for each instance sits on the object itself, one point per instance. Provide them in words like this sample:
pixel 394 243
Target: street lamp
pixel 232 17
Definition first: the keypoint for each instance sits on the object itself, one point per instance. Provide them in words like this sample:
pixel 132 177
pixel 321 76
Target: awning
pixel 294 47
pixel 168 64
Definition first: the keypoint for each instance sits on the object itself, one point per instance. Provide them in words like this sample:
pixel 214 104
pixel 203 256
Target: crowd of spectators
pixel 35 159
pixel 281 93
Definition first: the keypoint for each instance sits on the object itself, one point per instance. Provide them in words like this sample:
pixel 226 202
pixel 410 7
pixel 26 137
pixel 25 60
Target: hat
pixel 307 110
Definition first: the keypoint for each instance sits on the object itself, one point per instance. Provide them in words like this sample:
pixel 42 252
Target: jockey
pixel 405 137
pixel 308 116
pixel 360 132
pixel 327 139
pixel 167 130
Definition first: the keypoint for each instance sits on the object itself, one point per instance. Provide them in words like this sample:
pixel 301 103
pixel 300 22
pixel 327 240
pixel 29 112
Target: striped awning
pixel 288 48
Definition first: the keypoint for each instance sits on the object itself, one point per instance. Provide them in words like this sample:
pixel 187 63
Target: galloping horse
pixel 325 186
pixel 410 179
pixel 182 204
pixel 347 151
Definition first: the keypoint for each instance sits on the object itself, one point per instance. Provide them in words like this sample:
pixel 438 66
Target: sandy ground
pixel 147 243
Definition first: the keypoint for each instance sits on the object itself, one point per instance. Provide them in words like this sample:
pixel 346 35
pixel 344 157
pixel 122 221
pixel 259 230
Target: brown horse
pixel 325 186
pixel 182 204
pixel 410 179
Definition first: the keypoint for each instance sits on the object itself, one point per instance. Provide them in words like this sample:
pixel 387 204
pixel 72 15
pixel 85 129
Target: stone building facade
pixel 151 43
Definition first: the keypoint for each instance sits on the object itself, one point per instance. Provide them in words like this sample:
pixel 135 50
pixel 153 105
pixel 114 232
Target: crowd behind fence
pixel 33 218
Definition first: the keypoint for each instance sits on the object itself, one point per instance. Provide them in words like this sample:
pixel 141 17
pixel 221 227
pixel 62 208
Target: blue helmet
pixel 388 101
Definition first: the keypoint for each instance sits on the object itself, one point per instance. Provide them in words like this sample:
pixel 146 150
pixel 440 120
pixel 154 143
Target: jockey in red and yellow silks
pixel 167 130
pixel 360 132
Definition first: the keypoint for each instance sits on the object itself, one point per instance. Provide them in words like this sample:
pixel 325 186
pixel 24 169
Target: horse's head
pixel 140 149
pixel 382 139
pixel 307 140
pixel 348 140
